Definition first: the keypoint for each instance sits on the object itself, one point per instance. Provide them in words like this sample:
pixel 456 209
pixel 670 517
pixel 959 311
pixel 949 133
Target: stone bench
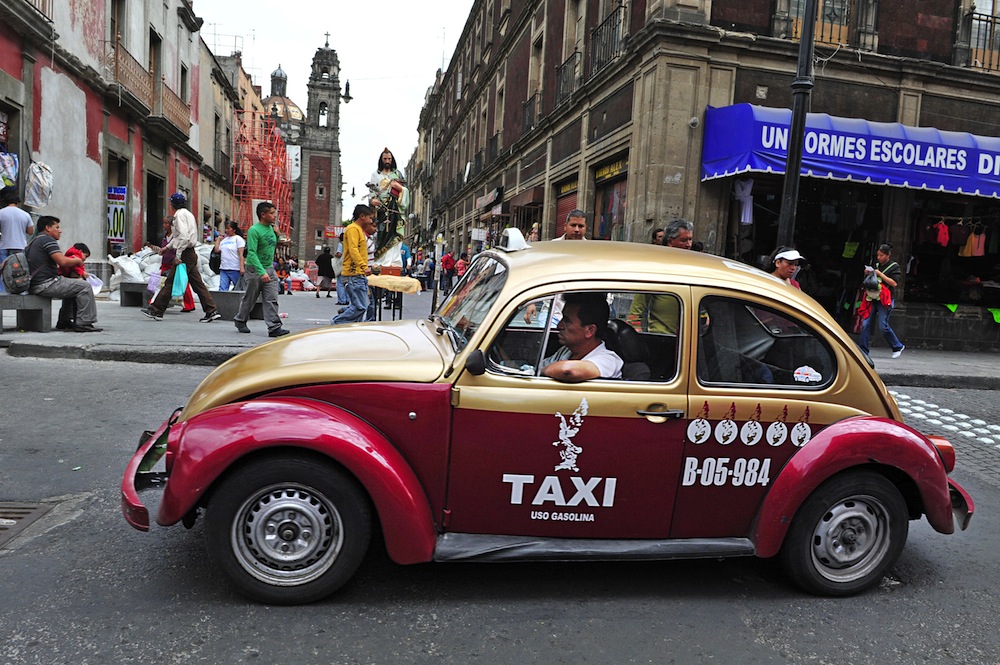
pixel 132 294
pixel 33 312
pixel 228 304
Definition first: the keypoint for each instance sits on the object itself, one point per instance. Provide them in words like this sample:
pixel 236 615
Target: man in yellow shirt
pixel 355 269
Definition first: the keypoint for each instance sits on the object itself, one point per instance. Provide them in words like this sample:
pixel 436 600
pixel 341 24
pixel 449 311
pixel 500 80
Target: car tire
pixel 288 531
pixel 846 535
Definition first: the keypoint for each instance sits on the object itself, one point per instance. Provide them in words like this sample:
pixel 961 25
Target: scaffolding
pixel 261 172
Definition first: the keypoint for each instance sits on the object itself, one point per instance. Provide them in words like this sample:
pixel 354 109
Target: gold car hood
pixel 396 351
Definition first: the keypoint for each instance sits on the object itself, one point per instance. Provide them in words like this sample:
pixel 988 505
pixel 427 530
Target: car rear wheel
pixel 288 531
pixel 846 535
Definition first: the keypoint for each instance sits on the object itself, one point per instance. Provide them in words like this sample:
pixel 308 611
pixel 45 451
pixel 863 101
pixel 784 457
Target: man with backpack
pixel 15 225
pixel 45 259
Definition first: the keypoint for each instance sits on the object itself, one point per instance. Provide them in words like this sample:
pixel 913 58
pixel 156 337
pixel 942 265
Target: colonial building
pixel 104 93
pixel 607 106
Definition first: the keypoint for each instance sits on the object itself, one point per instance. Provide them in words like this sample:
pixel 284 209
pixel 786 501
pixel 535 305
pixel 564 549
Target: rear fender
pixel 211 442
pixel 854 442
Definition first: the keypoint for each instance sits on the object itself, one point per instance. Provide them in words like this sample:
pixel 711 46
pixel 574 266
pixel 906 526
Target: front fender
pixel 859 441
pixel 208 444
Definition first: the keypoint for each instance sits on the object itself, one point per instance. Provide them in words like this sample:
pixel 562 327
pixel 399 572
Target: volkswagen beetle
pixel 745 422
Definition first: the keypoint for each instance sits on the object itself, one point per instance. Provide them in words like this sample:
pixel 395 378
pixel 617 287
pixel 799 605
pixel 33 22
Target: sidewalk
pixel 180 338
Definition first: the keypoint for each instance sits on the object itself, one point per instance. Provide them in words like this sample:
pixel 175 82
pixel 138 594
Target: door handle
pixel 666 413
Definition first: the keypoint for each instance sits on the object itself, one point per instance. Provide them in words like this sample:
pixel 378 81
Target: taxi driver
pixel 583 355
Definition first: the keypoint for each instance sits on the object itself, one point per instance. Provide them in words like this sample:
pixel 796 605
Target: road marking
pixel 948 420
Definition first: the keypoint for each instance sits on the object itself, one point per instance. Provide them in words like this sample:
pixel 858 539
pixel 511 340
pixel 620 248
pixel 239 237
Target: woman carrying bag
pixel 880 285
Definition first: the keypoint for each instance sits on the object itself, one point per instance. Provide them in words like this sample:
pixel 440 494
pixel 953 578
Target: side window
pixel 519 348
pixel 743 343
pixel 641 329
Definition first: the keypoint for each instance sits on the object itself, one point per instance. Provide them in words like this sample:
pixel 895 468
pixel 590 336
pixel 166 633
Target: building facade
pixel 105 94
pixel 550 105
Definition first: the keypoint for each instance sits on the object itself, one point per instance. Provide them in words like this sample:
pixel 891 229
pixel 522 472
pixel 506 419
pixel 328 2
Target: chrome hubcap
pixel 287 535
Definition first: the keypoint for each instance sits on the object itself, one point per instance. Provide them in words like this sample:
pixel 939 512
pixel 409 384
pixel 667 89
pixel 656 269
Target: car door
pixel 764 382
pixel 531 456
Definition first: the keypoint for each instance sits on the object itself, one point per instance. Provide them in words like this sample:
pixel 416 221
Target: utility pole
pixel 801 90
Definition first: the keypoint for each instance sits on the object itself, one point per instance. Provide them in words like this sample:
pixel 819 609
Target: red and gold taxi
pixel 744 423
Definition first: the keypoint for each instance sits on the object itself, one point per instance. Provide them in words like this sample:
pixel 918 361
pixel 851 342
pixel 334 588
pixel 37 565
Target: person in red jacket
pixel 447 271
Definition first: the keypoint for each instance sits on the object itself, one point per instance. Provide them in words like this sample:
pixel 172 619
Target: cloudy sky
pixel 389 51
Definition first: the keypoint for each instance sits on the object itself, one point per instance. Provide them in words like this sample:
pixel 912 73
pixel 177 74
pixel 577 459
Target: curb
pixel 959 381
pixel 211 356
pixel 115 352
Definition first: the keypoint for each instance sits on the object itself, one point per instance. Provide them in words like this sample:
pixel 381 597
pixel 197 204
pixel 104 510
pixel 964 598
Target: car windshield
pixel 470 301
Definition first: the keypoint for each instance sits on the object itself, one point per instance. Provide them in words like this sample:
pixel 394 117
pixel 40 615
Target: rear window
pixel 743 343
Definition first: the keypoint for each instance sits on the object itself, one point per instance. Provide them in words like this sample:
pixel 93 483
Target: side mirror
pixel 476 363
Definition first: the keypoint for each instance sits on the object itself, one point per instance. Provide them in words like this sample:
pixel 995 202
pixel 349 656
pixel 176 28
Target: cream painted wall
pixel 78 190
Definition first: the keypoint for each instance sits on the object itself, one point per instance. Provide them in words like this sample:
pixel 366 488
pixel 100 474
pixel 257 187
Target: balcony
pixel 223 164
pixel 984 42
pixel 530 110
pixel 567 75
pixel 477 163
pixel 171 117
pixel 607 41
pixel 30 18
pixel 493 148
pixel 44 7
pixel 840 22
pixel 134 81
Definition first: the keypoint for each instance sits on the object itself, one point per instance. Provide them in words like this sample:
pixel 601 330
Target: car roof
pixel 555 261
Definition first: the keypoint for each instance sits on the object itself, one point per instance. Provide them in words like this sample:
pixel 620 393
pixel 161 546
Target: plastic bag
pixel 870 282
pixel 38 190
pixel 180 281
pixel 96 283
pixel 154 282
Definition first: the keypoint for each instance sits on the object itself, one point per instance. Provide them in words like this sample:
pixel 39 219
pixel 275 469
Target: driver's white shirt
pixel 608 363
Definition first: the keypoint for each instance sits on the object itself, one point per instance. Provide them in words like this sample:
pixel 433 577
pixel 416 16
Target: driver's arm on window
pixel 572 371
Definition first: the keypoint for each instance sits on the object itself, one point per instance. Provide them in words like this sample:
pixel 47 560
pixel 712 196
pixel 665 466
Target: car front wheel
pixel 846 535
pixel 288 531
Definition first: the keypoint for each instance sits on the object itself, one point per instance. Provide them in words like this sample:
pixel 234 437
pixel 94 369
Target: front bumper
pixel 139 476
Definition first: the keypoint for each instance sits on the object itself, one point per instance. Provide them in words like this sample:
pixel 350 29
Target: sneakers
pixel 277 333
pixel 211 316
pixel 242 327
pixel 150 314
pixel 898 352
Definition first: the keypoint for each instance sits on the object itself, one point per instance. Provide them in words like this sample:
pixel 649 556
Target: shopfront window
pixel 609 207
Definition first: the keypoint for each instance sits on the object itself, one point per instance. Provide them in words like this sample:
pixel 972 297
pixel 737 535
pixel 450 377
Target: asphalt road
pixel 80 586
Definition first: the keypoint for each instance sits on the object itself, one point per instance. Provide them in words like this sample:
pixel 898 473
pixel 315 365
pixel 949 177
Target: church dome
pixel 288 111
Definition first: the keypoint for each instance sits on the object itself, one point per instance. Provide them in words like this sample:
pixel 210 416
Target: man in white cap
pixel 183 240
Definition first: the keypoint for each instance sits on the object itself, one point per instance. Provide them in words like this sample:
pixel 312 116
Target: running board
pixel 478 547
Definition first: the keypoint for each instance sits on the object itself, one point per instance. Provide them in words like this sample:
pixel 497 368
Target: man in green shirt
pixel 259 273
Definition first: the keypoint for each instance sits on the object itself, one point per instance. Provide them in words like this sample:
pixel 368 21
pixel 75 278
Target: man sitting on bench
pixel 44 260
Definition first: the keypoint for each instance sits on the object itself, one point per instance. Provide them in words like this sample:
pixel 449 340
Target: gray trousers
pixel 255 286
pixel 76 289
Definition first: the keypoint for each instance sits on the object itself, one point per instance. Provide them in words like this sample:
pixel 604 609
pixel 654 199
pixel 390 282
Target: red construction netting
pixel 261 171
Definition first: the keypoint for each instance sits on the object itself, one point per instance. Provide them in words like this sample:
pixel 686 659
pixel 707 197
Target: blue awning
pixel 746 138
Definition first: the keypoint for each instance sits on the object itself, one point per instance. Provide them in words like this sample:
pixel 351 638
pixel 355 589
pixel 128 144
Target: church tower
pixel 317 200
